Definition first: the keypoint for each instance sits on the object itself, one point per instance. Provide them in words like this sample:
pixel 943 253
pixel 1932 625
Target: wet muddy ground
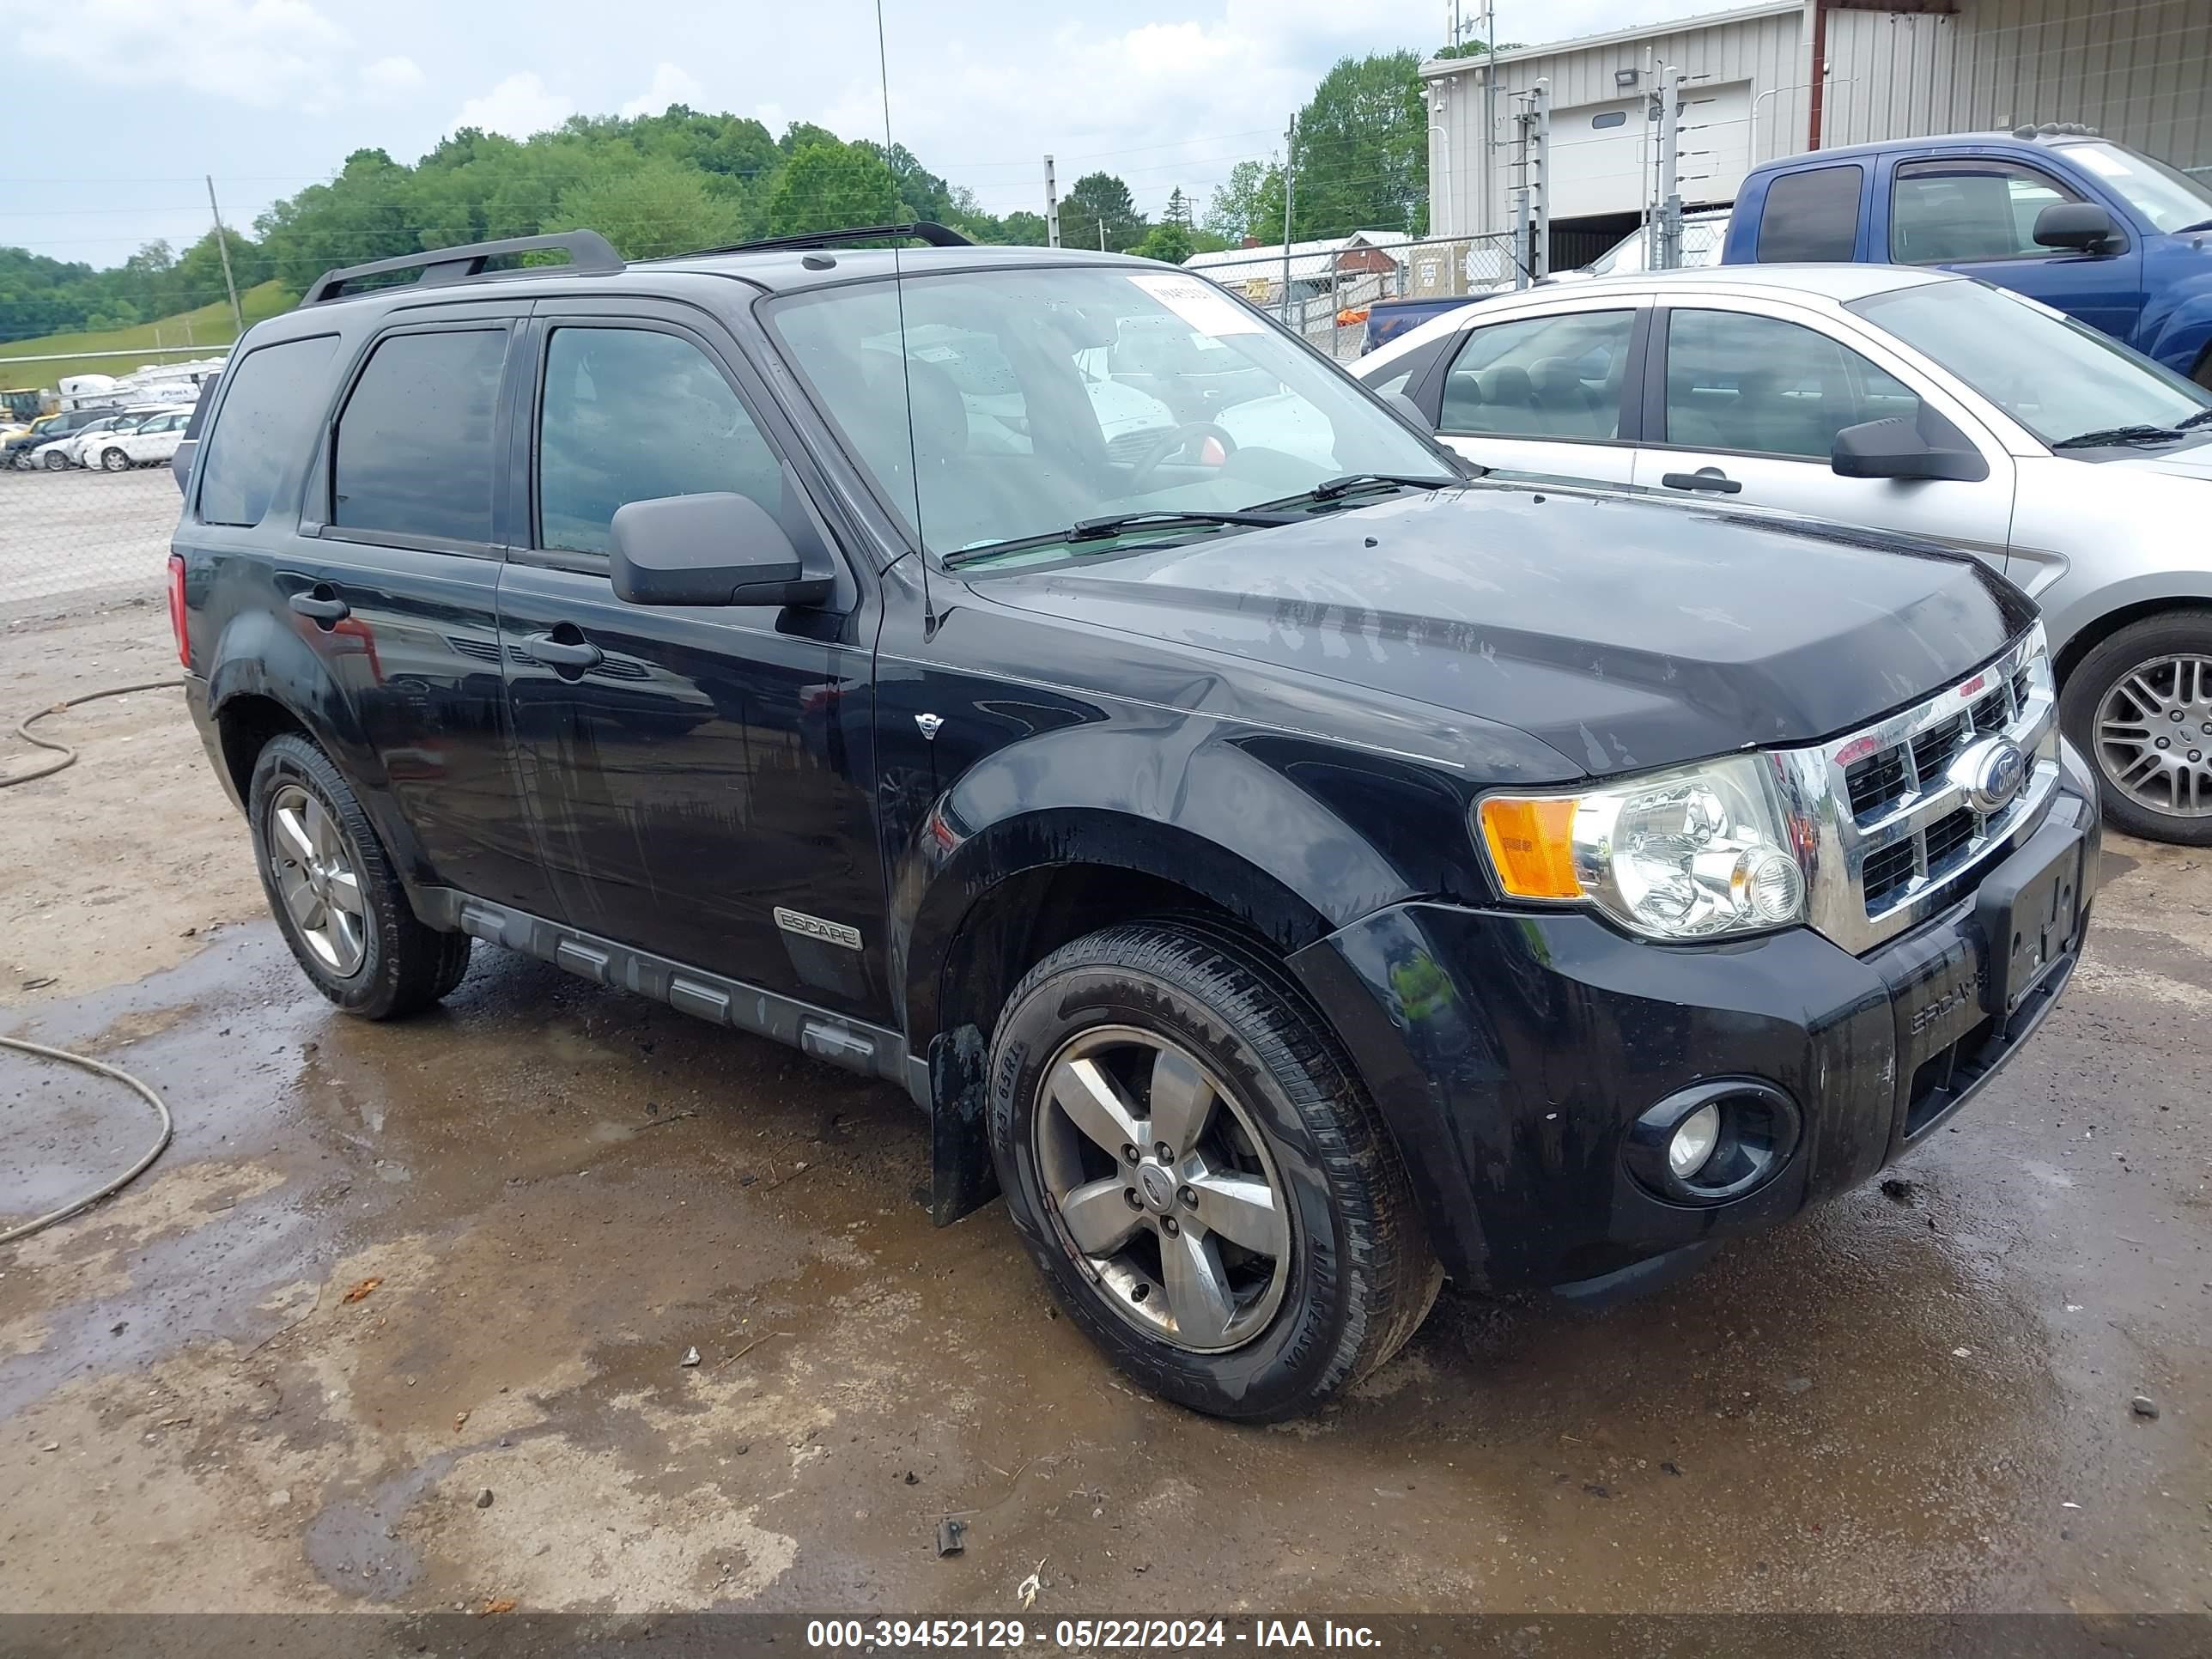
pixel 552 1191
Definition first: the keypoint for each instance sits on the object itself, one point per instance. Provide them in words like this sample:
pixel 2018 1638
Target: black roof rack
pixel 921 230
pixel 590 254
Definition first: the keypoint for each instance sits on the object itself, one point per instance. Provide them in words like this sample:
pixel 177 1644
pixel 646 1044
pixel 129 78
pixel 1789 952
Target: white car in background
pixel 83 450
pixel 59 454
pixel 1904 400
pixel 151 441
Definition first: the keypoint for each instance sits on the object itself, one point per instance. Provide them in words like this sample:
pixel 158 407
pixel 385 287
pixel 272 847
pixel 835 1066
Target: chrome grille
pixel 1892 837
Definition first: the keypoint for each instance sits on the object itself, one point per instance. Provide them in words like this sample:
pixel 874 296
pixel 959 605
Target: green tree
pixel 1248 203
pixel 833 186
pixel 1178 212
pixel 1096 200
pixel 650 209
pixel 1361 150
pixel 1170 242
pixel 1023 229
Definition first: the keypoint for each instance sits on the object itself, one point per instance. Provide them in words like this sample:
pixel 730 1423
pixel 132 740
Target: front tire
pixel 1204 1182
pixel 331 888
pixel 2139 706
pixel 55 461
pixel 114 460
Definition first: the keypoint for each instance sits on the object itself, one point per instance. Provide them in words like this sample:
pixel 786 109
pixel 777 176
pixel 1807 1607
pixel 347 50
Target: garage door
pixel 1599 158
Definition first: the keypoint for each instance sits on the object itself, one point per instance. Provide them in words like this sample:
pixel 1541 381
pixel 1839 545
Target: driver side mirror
pixel 1895 449
pixel 713 549
pixel 2084 226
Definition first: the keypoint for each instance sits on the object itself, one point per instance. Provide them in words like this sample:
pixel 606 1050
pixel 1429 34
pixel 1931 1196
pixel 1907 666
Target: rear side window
pixel 275 393
pixel 413 453
pixel 1811 215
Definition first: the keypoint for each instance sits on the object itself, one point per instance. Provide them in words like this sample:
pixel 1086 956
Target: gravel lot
pixel 554 1190
pixel 72 539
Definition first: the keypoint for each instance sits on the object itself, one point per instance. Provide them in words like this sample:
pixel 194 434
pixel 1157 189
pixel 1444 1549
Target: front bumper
pixel 1512 1053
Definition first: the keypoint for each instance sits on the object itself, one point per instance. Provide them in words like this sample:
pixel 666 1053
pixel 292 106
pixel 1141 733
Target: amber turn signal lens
pixel 1531 846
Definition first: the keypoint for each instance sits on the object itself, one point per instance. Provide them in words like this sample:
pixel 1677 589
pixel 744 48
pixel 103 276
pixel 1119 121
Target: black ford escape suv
pixel 1292 870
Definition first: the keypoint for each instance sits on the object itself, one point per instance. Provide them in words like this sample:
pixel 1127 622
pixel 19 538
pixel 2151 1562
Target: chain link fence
pixel 87 500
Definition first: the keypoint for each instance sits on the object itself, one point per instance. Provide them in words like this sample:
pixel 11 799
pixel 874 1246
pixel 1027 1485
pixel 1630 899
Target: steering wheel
pixel 1174 441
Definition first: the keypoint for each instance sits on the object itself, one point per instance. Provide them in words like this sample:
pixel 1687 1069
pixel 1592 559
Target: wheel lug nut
pixel 1129 1197
pixel 1169 1226
pixel 1129 1153
pixel 1189 1198
pixel 2175 715
pixel 2163 744
pixel 1166 1152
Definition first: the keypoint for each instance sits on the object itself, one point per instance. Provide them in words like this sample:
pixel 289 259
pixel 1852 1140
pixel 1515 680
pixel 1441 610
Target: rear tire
pixel 331 888
pixel 1242 1309
pixel 2137 680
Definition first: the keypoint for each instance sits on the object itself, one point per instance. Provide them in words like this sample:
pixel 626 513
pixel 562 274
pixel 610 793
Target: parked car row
pixel 111 441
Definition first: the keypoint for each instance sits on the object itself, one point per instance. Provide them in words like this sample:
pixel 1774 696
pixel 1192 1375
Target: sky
pixel 118 107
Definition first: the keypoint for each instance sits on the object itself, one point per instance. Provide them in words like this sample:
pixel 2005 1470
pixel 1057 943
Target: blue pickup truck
pixel 2104 233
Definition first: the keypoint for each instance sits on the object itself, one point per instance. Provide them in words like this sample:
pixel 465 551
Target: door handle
pixel 562 653
pixel 1710 479
pixel 325 606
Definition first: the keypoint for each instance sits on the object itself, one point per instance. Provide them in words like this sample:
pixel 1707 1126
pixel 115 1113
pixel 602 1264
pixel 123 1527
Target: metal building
pixel 1791 75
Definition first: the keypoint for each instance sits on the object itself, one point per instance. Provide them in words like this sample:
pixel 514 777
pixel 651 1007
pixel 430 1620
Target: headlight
pixel 1689 853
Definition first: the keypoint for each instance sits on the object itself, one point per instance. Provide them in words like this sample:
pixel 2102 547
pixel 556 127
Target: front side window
pixel 275 395
pixel 635 415
pixel 1951 212
pixel 2056 377
pixel 1543 377
pixel 1763 386
pixel 1813 215
pixel 413 453
pixel 1015 404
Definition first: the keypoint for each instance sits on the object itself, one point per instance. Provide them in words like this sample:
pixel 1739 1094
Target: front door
pixel 1977 216
pixel 1748 407
pixel 699 775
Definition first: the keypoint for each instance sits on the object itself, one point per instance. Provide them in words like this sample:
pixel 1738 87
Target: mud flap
pixel 962 1176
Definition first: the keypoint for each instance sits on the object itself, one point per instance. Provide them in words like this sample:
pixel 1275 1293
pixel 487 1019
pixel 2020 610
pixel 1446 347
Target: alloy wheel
pixel 316 878
pixel 1159 1182
pixel 115 461
pixel 2154 735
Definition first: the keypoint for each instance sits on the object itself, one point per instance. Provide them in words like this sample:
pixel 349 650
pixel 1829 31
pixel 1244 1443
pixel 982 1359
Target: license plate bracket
pixel 2029 908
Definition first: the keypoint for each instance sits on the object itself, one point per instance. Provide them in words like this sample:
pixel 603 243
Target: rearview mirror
pixel 2083 226
pixel 715 548
pixel 1895 449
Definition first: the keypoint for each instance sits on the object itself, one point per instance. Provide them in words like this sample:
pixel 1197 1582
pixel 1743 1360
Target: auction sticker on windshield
pixel 1199 304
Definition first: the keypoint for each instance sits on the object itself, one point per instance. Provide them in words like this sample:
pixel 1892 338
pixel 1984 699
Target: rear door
pixel 1550 395
pixel 1742 406
pixel 700 775
pixel 394 580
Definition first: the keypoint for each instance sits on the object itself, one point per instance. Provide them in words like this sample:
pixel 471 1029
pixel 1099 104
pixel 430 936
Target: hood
pixel 2194 462
pixel 1624 633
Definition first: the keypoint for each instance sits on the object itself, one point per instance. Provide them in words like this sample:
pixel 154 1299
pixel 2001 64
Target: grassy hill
pixel 208 326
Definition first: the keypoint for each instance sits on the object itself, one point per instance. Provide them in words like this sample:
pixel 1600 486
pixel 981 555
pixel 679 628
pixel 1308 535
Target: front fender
pixel 2176 317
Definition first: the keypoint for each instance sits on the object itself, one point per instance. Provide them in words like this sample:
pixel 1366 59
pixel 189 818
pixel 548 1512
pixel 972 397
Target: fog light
pixel 1693 1141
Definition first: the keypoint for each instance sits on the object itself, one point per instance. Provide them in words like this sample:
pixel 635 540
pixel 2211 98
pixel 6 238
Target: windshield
pixel 2057 377
pixel 2169 198
pixel 1046 397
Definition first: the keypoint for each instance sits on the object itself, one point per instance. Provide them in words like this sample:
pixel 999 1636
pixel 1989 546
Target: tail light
pixel 177 608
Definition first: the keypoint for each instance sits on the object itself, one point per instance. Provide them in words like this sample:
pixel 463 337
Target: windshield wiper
pixel 2191 230
pixel 1353 483
pixel 1093 530
pixel 2119 434
pixel 2200 418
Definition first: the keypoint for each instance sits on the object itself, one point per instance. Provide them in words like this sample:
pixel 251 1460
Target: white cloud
pixel 518 107
pixel 671 85
pixel 392 78
pixel 271 53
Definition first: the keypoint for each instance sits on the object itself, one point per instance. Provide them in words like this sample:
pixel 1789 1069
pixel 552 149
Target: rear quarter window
pixel 276 394
pixel 1813 215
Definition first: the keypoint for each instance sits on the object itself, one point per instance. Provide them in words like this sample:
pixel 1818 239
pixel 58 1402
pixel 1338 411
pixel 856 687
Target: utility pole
pixel 223 247
pixel 1051 207
pixel 1531 207
pixel 1290 188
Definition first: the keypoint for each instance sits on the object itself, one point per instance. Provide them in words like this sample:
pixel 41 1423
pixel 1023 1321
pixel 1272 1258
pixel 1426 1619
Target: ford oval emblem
pixel 1990 775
